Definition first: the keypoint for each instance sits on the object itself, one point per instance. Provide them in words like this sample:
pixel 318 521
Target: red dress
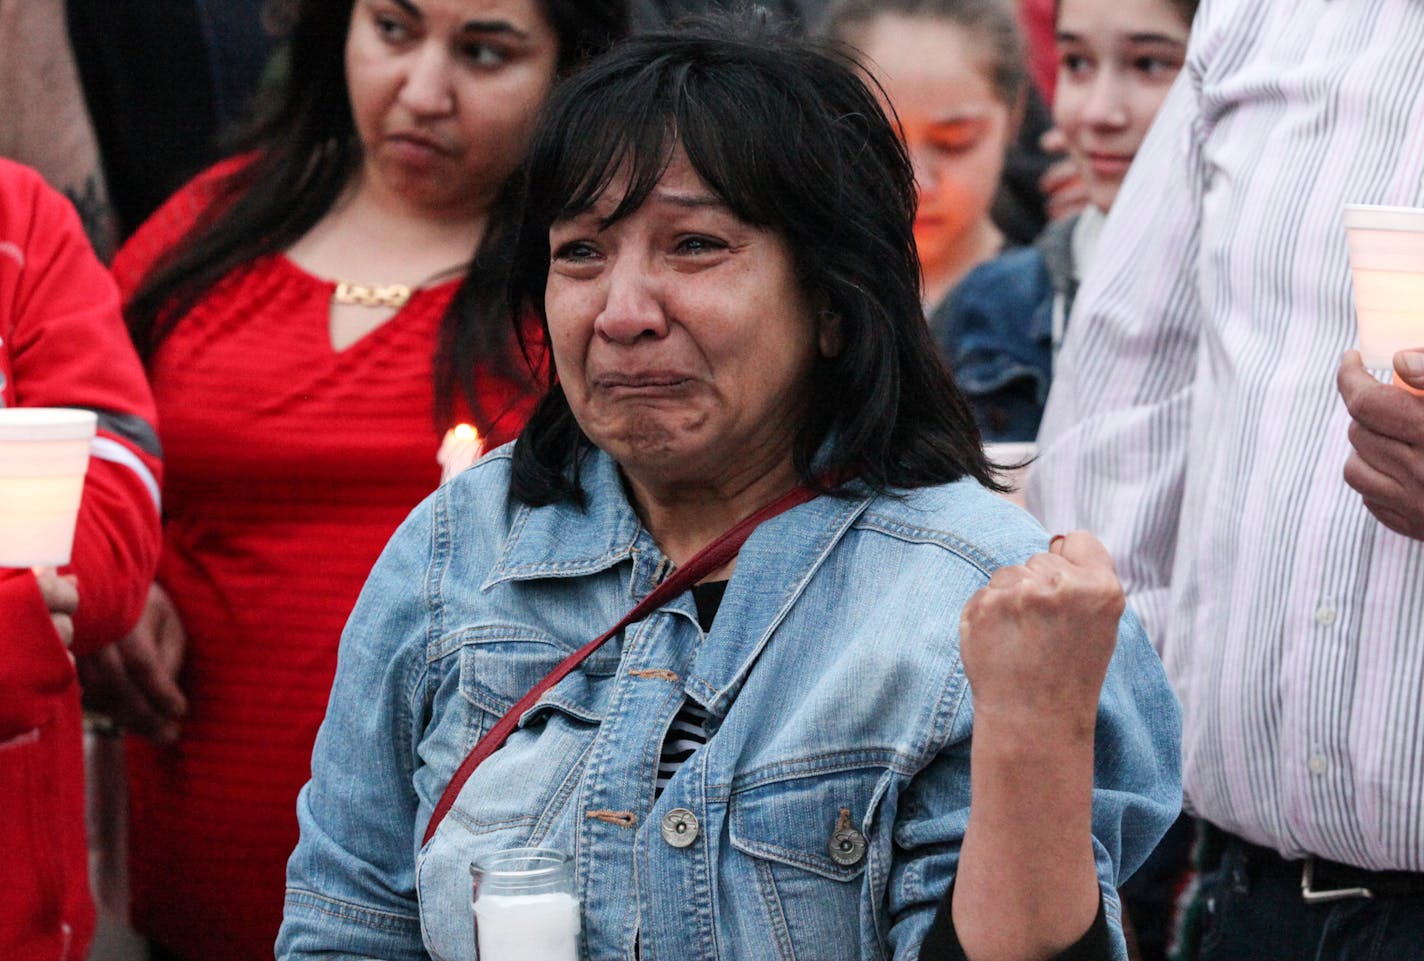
pixel 288 466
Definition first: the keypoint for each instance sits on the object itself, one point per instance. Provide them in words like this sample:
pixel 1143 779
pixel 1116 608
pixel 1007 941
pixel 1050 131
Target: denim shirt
pixel 836 701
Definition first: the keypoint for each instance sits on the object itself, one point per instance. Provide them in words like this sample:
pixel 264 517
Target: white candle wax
pixel 527 927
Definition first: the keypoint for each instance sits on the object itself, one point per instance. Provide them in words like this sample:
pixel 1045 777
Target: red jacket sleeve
pixel 65 345
pixel 33 669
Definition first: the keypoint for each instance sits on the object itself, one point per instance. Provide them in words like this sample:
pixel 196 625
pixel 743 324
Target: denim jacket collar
pixel 562 540
pixel 566 540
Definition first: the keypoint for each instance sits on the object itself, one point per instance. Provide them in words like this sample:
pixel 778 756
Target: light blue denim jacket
pixel 836 695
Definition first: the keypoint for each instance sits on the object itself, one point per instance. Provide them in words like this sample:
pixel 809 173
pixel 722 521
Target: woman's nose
pixel 1106 105
pixel 633 305
pixel 428 89
pixel 923 163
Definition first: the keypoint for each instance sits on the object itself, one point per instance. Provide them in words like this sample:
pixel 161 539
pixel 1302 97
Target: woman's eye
pixel 390 28
pixel 575 251
pixel 953 143
pixel 1157 68
pixel 484 55
pixel 699 245
pixel 1074 63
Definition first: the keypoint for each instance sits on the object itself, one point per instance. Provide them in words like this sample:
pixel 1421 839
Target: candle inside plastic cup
pixel 1387 265
pixel 44 453
pixel 1007 457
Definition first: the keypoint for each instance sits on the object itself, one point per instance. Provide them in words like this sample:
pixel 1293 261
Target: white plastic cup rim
pixel 46 423
pixel 1375 217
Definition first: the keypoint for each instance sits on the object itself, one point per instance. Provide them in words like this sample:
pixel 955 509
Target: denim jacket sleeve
pixel 1136 796
pixel 351 879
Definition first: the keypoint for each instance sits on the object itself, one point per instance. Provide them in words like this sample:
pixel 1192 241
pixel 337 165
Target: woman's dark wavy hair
pixel 785 132
pixel 305 151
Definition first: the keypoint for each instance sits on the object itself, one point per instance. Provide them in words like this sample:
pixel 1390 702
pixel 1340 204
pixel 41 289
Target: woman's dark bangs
pixel 711 132
pixel 622 128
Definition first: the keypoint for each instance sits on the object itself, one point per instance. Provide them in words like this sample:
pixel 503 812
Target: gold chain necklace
pixel 371 295
pixel 386 295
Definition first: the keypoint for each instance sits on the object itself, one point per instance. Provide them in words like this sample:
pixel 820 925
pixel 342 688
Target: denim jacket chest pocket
pixel 498 665
pixel 808 841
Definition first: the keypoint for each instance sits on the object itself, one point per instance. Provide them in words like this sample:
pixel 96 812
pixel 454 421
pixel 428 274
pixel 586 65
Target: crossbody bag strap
pixel 711 558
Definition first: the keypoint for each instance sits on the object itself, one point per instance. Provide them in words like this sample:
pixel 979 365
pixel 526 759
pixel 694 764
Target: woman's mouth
pixel 1109 166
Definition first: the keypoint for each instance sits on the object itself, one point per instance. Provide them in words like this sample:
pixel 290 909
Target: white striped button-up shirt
pixel 1194 425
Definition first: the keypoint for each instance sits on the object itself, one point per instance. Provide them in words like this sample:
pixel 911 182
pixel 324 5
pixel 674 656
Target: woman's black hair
pixel 786 133
pixel 304 151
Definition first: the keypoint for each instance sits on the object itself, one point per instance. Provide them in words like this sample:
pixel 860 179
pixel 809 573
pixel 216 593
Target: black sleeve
pixel 942 942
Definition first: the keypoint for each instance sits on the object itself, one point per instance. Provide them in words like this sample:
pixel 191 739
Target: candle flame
pixel 467 432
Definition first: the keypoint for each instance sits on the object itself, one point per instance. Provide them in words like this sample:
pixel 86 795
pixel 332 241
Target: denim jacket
pixel 828 806
pixel 995 329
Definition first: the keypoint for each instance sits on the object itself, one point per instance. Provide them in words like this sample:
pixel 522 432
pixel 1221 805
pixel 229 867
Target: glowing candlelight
pixel 44 453
pixel 1387 261
pixel 461 447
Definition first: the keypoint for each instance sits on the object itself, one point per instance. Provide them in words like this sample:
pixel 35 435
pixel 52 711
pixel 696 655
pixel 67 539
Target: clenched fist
pixel 1037 639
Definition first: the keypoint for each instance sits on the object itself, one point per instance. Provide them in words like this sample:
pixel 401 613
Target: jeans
pixel 1248 907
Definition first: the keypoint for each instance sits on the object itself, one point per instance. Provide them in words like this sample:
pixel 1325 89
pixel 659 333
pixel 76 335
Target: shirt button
pixel 1317 764
pixel 679 827
pixel 1325 615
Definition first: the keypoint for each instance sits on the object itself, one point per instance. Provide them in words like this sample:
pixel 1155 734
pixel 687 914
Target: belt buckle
pixel 1310 895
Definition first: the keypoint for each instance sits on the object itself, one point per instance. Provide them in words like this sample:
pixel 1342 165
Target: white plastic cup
pixel 44 454
pixel 1010 460
pixel 525 906
pixel 1387 262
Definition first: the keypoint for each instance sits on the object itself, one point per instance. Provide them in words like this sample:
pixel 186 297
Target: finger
pixel 1371 483
pixel 1083 548
pixel 64 627
pixel 109 689
pixel 1402 462
pixel 1383 408
pixel 1053 140
pixel 1409 369
pixel 1006 578
pixel 153 679
pixel 59 593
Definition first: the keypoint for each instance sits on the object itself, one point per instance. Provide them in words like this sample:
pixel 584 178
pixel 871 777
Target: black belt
pixel 1322 880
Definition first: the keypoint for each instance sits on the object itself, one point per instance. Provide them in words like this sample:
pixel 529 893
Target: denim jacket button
pixel 679 827
pixel 847 846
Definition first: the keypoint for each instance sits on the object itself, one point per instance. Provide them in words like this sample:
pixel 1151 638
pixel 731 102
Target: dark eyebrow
pixel 472 26
pixel 496 27
pixel 1155 38
pixel 1064 36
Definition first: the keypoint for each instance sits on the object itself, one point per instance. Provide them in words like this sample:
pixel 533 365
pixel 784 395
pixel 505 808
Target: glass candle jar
pixel 525 906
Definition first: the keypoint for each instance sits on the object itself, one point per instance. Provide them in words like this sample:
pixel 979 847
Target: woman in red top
pixel 303 316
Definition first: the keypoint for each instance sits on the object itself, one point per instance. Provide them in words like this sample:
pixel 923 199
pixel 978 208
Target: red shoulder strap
pixel 715 555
